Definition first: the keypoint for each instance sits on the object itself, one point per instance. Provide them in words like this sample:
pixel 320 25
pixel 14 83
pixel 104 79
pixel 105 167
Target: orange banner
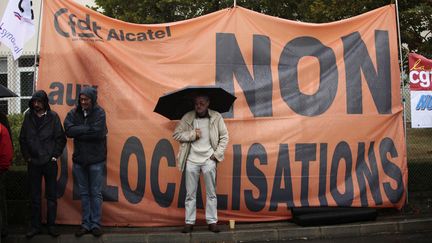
pixel 317 120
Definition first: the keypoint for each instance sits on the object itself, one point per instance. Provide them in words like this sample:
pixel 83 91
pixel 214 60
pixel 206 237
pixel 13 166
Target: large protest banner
pixel 317 121
pixel 420 77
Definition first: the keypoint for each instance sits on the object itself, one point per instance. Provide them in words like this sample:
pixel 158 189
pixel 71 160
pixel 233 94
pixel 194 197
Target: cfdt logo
pixel 82 28
pixel 22 12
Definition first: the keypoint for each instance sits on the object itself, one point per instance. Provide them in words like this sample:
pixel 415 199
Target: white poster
pixel 420 77
pixel 421 109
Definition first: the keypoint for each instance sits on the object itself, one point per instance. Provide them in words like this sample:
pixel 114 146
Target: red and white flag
pixel 17 25
pixel 420 77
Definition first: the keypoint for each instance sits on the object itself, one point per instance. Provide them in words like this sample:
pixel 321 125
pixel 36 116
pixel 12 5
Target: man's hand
pixel 214 158
pixel 197 133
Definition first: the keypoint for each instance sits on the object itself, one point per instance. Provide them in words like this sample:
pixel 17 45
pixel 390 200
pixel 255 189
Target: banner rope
pixel 36 63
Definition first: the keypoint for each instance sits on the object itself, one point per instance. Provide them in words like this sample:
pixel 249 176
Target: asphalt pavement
pixel 412 224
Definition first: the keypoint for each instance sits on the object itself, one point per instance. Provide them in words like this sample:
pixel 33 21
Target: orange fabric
pixel 296 138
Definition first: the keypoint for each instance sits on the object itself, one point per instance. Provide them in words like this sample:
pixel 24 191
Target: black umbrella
pixel 175 104
pixel 5 92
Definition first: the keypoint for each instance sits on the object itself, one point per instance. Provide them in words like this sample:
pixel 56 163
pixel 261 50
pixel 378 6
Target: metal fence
pixel 17 76
pixel 419 151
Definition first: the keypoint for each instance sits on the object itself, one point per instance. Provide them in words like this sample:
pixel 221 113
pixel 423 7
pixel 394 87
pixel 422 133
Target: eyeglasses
pixel 84 99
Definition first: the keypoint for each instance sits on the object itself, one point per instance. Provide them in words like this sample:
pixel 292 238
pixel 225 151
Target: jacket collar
pixel 191 115
pixel 48 117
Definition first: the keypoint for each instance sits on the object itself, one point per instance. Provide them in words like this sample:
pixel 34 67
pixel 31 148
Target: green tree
pixel 416 26
pixel 15 121
pixel 159 11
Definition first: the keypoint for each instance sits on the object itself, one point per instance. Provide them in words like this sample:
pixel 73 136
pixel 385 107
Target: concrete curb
pixel 269 232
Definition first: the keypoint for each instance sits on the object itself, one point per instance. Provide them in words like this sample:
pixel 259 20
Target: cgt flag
pixel 17 25
pixel 420 77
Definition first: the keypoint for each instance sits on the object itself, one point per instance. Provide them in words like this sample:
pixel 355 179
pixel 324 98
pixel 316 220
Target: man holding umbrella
pixel 203 139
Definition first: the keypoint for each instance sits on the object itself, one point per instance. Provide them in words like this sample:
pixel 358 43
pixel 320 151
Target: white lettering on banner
pixel 424 77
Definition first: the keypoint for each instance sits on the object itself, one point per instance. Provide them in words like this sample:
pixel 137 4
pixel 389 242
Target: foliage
pixel 415 16
pixel 159 11
pixel 416 26
pixel 15 121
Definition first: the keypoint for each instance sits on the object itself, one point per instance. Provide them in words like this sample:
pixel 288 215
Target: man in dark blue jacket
pixel 86 124
pixel 42 141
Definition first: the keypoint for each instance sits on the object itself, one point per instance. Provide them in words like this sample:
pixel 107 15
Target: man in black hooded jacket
pixel 86 124
pixel 42 140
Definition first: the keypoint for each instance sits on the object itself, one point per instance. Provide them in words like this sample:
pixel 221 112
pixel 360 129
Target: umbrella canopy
pixel 5 92
pixel 175 104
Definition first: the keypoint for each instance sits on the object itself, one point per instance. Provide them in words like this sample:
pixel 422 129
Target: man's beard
pixel 37 108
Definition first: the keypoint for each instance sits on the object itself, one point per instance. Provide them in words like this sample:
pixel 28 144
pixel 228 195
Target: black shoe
pixel 53 231
pixel 82 231
pixel 97 232
pixel 213 228
pixel 187 228
pixel 32 232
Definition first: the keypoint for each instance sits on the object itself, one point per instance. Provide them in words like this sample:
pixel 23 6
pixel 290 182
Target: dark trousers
pixel 3 211
pixel 35 173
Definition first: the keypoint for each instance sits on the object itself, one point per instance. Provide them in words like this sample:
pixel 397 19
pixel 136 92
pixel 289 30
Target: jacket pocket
pixel 182 155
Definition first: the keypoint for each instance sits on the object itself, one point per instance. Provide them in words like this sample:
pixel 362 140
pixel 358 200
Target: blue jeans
pixel 90 180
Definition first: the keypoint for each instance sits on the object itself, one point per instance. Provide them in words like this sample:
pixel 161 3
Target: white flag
pixel 17 25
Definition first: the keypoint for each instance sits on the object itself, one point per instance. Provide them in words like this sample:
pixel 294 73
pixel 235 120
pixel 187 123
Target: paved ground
pixel 424 237
pixel 412 224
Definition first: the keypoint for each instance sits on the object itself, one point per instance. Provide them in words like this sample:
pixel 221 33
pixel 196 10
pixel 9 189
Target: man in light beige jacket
pixel 203 139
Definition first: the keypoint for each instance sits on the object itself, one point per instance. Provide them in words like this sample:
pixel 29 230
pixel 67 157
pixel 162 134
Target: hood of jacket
pixel 89 92
pixel 41 96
